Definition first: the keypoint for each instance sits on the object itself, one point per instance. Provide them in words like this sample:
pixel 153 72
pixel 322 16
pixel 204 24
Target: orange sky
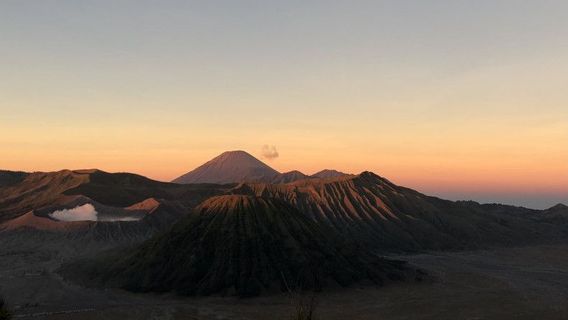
pixel 461 100
pixel 455 158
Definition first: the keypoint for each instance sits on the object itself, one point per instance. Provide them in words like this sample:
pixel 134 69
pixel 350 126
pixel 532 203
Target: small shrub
pixel 4 313
pixel 305 307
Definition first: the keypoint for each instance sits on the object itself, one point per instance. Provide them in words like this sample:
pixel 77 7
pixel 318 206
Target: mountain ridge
pixel 240 166
pixel 329 173
pixel 388 217
pixel 243 245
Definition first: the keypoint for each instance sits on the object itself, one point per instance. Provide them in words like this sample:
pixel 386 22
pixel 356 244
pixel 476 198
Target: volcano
pixel 244 245
pixel 391 218
pixel 230 167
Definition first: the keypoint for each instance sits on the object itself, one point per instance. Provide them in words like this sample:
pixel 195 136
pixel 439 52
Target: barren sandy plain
pixel 508 283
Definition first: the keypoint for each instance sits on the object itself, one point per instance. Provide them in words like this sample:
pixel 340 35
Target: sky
pixel 458 99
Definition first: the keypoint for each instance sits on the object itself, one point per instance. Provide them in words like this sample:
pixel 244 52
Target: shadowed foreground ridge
pixel 244 245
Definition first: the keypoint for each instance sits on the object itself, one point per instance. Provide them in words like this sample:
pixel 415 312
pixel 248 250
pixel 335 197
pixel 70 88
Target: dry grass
pixel 305 307
pixel 4 313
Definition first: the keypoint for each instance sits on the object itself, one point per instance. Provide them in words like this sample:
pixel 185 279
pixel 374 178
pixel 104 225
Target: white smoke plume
pixel 85 212
pixel 269 152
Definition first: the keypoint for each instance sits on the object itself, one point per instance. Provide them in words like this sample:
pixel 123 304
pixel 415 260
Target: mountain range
pixel 240 166
pixel 242 245
pixel 236 226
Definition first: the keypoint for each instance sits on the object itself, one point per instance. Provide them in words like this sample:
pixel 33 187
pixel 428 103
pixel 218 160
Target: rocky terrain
pixel 388 217
pixel 242 245
pixel 71 241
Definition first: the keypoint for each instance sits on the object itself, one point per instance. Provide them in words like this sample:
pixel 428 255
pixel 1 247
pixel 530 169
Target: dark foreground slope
pixel 241 245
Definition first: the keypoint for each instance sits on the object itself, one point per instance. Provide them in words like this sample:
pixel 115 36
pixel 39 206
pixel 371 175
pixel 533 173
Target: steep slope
pixel 327 173
pixel 8 178
pixel 557 214
pixel 241 245
pixel 392 218
pixel 44 191
pixel 36 190
pixel 230 167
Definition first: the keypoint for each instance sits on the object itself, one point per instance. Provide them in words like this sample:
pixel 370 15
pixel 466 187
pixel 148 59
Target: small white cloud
pixel 85 212
pixel 269 152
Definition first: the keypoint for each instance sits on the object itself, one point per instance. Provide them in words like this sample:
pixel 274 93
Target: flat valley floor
pixel 512 283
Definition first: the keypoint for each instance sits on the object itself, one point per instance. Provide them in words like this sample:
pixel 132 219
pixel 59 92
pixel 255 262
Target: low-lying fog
pixel 86 212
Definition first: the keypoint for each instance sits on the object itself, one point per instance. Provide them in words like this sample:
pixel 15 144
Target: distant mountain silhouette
pixel 328 173
pixel 230 167
pixel 290 176
pixel 240 166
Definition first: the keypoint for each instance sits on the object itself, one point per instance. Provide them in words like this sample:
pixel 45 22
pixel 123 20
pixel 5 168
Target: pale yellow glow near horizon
pixel 450 98
pixel 462 156
pixel 515 140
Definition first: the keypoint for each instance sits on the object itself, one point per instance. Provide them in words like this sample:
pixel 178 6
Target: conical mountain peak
pixel 246 245
pixel 230 167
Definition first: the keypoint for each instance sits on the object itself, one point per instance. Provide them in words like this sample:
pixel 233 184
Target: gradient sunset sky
pixel 459 99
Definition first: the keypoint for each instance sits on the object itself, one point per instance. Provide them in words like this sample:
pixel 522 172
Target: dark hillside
pixel 243 245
